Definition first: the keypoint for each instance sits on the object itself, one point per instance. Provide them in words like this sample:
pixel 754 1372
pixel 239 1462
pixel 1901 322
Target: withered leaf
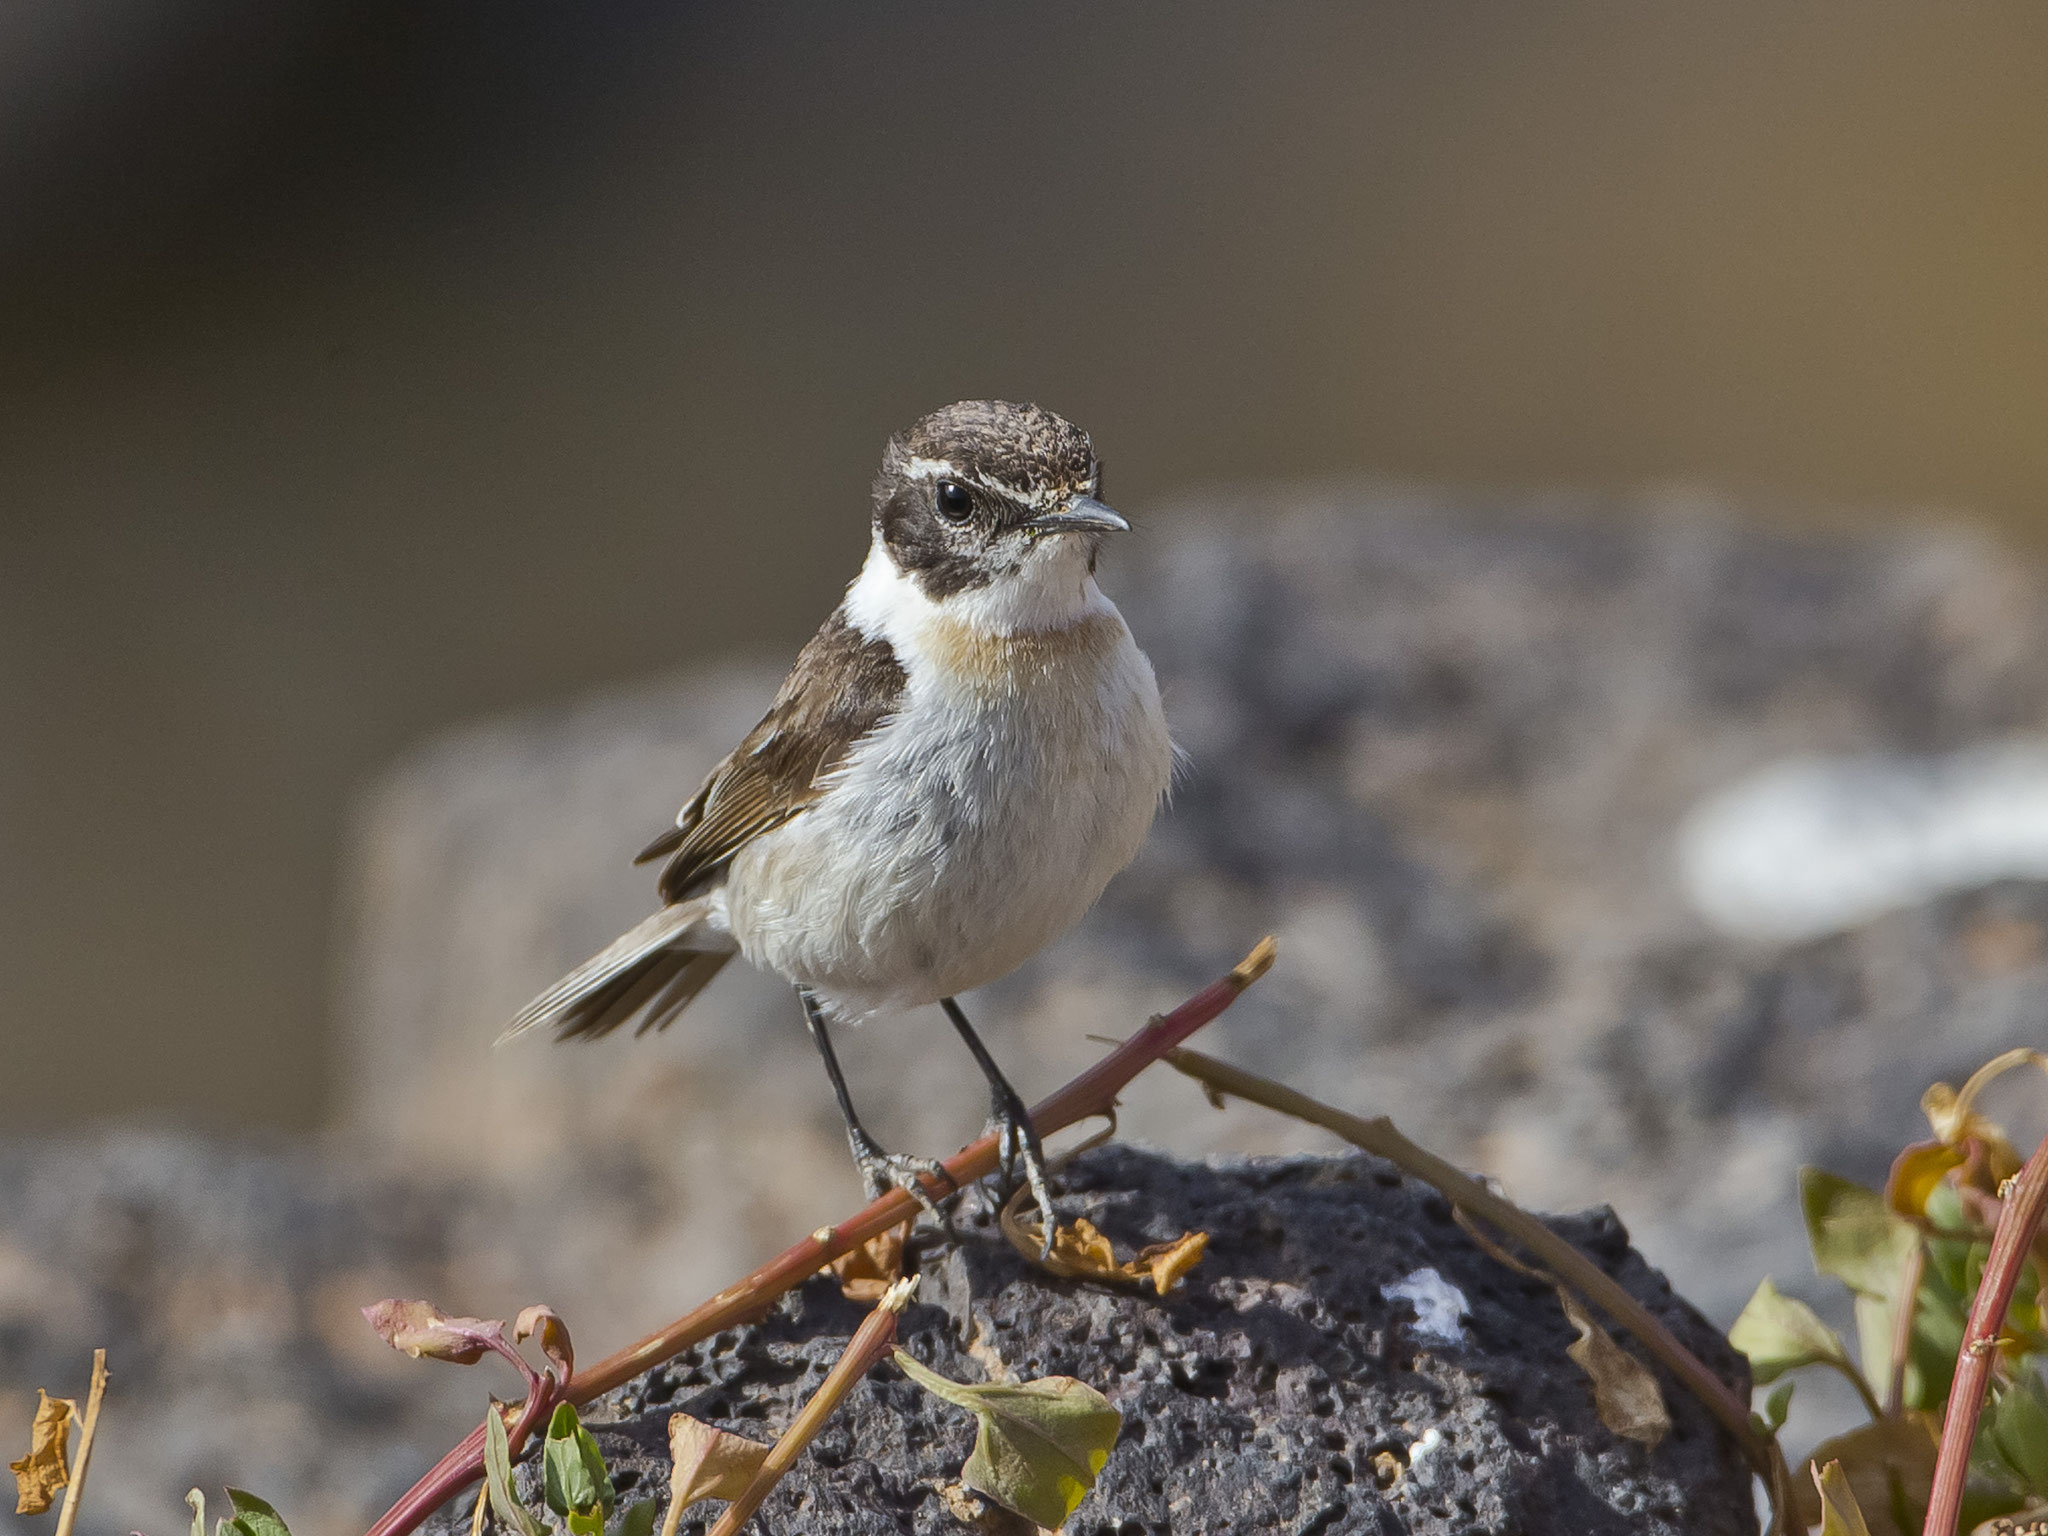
pixel 1168 1263
pixel 1625 1393
pixel 1082 1252
pixel 41 1475
pixel 554 1336
pixel 424 1331
pixel 709 1462
pixel 866 1273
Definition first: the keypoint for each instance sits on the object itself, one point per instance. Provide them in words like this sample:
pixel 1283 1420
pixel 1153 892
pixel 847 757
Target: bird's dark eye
pixel 955 504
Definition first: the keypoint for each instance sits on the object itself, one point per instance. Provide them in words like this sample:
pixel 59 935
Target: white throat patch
pixel 1052 589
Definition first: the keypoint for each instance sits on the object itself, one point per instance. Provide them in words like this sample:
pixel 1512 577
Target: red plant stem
pixel 541 1398
pixel 2026 1201
pixel 1092 1093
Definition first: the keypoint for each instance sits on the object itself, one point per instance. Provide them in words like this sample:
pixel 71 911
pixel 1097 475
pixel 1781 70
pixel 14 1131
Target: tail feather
pixel 665 962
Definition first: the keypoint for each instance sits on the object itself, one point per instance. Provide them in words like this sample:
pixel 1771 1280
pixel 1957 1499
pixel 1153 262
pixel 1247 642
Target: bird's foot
pixel 1017 1144
pixel 881 1171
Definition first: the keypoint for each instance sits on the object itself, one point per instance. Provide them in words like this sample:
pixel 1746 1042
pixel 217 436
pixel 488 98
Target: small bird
pixel 965 753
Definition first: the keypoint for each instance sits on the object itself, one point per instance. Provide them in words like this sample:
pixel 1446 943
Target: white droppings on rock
pixel 1419 1453
pixel 1440 1307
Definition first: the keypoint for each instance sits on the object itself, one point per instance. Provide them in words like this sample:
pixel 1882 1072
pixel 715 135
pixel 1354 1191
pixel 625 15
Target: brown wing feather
pixel 842 686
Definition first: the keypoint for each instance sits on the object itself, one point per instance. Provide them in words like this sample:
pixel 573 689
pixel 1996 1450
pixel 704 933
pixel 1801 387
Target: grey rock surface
pixel 1279 1390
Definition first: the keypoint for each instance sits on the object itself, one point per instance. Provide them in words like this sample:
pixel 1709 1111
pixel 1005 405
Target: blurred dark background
pixel 364 367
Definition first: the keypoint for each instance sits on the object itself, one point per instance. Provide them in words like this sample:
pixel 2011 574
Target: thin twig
pixel 75 1491
pixel 873 1339
pixel 1379 1137
pixel 2026 1200
pixel 1092 1093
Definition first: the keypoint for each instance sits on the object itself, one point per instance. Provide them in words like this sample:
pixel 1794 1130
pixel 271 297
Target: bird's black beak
pixel 1084 514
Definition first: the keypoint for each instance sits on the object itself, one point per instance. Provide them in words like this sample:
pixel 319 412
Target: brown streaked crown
pixel 1013 461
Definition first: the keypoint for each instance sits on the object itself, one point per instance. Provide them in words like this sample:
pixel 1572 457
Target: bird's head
pixel 985 496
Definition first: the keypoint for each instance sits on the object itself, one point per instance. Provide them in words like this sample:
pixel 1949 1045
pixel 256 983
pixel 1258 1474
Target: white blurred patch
pixel 1814 845
pixel 1440 1307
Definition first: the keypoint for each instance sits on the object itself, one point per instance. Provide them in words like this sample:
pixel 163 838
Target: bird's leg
pixel 878 1170
pixel 1016 1137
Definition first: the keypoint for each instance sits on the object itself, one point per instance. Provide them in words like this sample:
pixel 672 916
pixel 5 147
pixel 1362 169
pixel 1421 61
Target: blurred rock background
pixel 370 369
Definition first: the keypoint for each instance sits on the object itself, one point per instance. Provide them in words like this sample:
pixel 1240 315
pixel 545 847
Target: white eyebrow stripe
pixel 919 468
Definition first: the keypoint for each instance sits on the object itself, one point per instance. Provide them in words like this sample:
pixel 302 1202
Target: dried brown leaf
pixel 710 1463
pixel 1168 1263
pixel 866 1273
pixel 41 1475
pixel 1082 1252
pixel 1625 1393
pixel 554 1336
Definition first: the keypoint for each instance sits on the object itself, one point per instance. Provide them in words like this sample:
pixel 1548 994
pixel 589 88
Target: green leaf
pixel 1875 1323
pixel 255 1517
pixel 512 1514
pixel 1940 1316
pixel 1781 1333
pixel 1886 1467
pixel 638 1520
pixel 1854 1235
pixel 1839 1513
pixel 1777 1407
pixel 2019 1430
pixel 1040 1445
pixel 579 1487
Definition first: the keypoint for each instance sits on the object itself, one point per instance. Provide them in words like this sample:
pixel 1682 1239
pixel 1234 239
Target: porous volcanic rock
pixel 1279 1390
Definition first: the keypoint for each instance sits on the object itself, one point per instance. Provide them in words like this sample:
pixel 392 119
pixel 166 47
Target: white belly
pixel 974 827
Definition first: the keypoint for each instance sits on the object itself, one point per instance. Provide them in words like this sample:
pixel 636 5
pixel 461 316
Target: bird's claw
pixel 1017 1142
pixel 882 1171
